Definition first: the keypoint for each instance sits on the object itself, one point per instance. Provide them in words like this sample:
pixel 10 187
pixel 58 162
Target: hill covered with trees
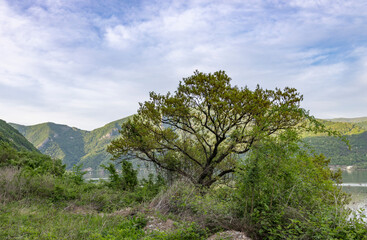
pixel 339 152
pixel 72 145
pixel 16 151
pixel 16 140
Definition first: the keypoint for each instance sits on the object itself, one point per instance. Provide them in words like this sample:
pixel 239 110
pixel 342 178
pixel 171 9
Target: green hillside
pixel 11 136
pixel 55 140
pixel 96 143
pixel 338 151
pixel 355 131
pixel 344 128
pixel 362 124
pixel 72 145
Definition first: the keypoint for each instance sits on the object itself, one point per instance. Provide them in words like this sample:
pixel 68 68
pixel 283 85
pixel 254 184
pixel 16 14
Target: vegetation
pixel 349 120
pixel 354 131
pixel 33 162
pixel 40 200
pixel 11 136
pixel 339 153
pixel 128 180
pixel 36 221
pixel 362 124
pixel 51 204
pixel 95 144
pixel 285 192
pixel 57 141
pixel 281 191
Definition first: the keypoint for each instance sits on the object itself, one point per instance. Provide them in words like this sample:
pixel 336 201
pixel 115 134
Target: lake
pixel 355 183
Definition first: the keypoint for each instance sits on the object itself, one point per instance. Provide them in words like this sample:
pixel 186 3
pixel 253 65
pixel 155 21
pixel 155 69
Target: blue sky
pixel 86 62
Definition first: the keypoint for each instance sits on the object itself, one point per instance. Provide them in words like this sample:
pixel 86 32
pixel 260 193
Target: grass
pixel 35 221
pixel 49 207
pixel 25 220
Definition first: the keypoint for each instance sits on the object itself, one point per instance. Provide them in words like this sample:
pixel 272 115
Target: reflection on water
pixel 355 183
pixel 355 176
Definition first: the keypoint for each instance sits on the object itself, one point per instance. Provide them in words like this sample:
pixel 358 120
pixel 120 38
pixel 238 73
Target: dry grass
pixel 186 202
pixel 172 200
pixel 9 184
pixel 14 185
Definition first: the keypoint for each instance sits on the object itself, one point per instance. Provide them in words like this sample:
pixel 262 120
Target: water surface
pixel 355 183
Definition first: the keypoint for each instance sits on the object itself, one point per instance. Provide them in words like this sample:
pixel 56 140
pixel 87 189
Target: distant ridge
pixel 359 121
pixel 350 120
pixel 70 144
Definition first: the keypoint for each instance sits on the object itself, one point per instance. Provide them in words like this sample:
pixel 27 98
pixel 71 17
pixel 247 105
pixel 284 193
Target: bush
pixel 76 175
pixel 128 179
pixel 17 185
pixel 33 162
pixel 210 208
pixel 150 187
pixel 286 193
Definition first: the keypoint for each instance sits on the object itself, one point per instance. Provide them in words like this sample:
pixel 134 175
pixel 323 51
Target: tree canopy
pixel 201 129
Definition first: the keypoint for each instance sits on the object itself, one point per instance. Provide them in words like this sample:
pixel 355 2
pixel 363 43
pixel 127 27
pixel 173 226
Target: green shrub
pixel 128 179
pixel 210 208
pixel 33 162
pixel 150 187
pixel 39 221
pixel 286 193
pixel 76 175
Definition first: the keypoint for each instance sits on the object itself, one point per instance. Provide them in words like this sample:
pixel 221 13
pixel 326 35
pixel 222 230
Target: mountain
pixel 344 128
pixel 96 141
pixel 361 121
pixel 354 130
pixel 70 144
pixel 339 152
pixel 11 136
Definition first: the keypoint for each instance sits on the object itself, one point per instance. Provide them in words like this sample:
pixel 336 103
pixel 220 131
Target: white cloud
pixel 71 61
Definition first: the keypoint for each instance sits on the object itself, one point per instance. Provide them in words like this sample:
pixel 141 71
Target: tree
pixel 201 130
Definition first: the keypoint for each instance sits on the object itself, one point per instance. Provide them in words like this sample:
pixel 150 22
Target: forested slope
pixel 338 151
pixel 11 136
pixel 355 131
pixel 72 145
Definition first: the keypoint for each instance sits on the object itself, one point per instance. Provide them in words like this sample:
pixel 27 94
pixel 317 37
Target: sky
pixel 86 63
